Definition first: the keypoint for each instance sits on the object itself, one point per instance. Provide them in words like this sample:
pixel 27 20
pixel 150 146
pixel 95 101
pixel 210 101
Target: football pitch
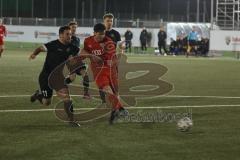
pixel 207 88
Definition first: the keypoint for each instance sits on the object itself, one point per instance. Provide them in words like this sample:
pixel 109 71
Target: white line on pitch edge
pixel 129 108
pixel 167 96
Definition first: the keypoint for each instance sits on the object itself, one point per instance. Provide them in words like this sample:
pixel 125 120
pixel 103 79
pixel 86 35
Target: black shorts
pixel 46 91
pixel 192 43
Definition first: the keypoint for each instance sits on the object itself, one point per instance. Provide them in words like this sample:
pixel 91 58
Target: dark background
pixel 168 10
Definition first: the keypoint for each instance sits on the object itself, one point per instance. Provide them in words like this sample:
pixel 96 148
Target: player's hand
pixel 31 57
pixel 122 47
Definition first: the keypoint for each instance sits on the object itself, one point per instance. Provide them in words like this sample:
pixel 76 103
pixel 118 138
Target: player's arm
pixel 36 52
pixel 85 54
pixel 120 44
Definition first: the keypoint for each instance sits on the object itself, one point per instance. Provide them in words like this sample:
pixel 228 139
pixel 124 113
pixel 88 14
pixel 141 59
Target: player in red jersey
pixel 102 53
pixel 3 33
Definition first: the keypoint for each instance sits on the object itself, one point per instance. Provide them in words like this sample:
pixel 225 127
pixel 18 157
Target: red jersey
pixel 3 31
pixel 106 50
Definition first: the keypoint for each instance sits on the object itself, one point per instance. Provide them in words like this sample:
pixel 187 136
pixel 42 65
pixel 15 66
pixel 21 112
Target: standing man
pixel 192 41
pixel 102 53
pixel 128 40
pixel 110 32
pixel 143 39
pixel 162 36
pixel 81 71
pixel 3 33
pixel 58 51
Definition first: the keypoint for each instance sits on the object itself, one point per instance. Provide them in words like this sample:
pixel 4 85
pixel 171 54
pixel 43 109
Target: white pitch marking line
pixel 129 108
pixel 154 96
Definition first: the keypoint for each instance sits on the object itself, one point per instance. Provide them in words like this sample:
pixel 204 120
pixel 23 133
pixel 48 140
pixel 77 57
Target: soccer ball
pixel 184 124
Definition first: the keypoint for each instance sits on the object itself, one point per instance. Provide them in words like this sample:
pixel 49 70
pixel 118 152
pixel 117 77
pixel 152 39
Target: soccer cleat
pixel 74 124
pixel 34 97
pixel 114 116
pixel 123 112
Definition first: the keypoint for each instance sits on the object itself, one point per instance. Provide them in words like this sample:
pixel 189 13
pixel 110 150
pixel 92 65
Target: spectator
pixel 143 39
pixel 173 48
pixel 180 45
pixel 192 41
pixel 128 40
pixel 162 36
pixel 204 47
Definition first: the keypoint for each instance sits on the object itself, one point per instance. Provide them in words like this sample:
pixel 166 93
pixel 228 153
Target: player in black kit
pixel 116 38
pixel 110 32
pixel 81 70
pixel 58 51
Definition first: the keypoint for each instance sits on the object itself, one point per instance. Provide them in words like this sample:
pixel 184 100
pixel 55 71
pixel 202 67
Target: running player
pixel 82 69
pixel 58 51
pixel 102 53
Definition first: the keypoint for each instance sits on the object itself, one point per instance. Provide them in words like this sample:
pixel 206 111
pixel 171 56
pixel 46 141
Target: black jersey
pixel 57 53
pixel 75 41
pixel 114 35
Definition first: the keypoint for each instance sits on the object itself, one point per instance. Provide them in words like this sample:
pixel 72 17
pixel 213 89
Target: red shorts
pixel 1 42
pixel 104 78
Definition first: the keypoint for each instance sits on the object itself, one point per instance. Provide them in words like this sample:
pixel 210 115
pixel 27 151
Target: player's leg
pixel 142 45
pixel 130 46
pixel 104 83
pixel 63 94
pixel 145 46
pixel 102 95
pixel 126 46
pixel 70 78
pixel 164 48
pixel 85 82
pixel 114 102
pixel 159 48
pixel 189 49
pixel 44 95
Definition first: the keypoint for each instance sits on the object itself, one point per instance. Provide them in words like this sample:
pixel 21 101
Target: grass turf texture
pixel 39 135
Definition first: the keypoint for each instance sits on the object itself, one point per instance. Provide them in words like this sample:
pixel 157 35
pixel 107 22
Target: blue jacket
pixel 193 36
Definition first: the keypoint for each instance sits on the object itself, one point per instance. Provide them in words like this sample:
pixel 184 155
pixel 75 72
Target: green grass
pixel 40 135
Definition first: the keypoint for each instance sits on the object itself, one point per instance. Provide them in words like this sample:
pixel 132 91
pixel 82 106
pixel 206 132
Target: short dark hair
pixel 108 15
pixel 63 28
pixel 99 27
pixel 72 23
